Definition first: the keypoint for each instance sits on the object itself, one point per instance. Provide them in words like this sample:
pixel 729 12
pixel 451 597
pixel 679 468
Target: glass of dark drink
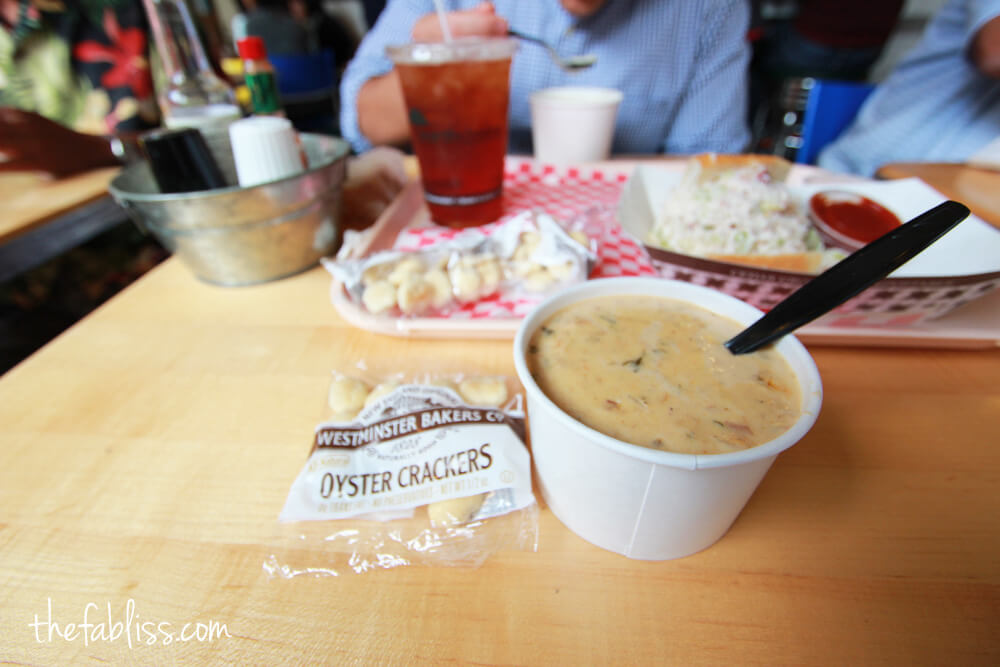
pixel 457 96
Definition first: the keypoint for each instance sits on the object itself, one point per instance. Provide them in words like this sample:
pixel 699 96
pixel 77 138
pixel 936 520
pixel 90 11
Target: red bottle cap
pixel 251 48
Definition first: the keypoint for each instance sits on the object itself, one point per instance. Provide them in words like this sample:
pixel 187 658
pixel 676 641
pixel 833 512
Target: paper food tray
pixel 959 268
pixel 564 192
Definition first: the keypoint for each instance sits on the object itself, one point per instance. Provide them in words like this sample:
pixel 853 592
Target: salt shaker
pixel 266 149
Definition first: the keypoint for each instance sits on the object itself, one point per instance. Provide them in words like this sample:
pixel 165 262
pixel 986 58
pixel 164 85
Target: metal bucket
pixel 242 236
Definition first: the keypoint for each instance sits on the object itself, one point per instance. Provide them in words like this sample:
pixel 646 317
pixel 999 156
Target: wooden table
pixel 147 451
pixel 42 217
pixel 979 189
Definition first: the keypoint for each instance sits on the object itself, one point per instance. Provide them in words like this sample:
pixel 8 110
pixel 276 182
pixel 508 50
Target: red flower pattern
pixel 126 53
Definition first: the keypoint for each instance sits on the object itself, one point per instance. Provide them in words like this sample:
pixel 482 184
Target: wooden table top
pixel 148 450
pixel 28 200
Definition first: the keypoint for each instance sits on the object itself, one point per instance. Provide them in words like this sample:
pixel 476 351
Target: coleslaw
pixel 737 211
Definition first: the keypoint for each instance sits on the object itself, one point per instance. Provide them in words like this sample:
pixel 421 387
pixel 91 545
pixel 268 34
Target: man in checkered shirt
pixel 681 64
pixel 940 104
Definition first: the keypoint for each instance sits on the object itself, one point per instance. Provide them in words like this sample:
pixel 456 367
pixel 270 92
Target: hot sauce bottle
pixel 260 77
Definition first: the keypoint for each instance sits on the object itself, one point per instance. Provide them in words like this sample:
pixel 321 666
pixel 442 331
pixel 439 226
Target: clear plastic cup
pixel 457 96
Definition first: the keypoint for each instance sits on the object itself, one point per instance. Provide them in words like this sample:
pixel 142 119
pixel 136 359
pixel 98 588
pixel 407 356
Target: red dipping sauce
pixel 850 220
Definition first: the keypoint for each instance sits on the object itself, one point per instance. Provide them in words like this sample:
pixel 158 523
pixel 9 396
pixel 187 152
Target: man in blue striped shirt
pixel 940 104
pixel 681 64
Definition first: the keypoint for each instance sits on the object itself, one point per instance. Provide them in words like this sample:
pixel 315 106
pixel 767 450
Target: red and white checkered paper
pixel 567 194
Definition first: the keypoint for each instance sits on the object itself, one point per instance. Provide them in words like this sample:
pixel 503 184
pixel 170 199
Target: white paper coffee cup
pixel 573 124
pixel 265 149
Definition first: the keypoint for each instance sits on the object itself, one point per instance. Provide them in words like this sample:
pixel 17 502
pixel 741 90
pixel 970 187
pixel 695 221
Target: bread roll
pixel 799 262
pixel 713 164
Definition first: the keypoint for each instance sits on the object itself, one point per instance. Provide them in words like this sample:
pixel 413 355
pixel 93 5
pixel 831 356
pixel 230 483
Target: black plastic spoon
pixel 849 277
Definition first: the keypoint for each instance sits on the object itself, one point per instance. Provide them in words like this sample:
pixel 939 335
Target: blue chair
pixel 304 73
pixel 831 107
pixel 307 84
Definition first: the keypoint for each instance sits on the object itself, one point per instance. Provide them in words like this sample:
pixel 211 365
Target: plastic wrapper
pixel 530 253
pixel 428 470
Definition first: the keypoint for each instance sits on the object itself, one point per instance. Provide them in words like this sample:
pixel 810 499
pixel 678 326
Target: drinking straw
pixel 444 23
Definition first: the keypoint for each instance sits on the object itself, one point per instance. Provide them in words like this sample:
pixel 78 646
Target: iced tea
pixel 457 96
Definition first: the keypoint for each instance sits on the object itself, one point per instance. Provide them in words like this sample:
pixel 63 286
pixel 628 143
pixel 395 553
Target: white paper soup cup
pixel 573 124
pixel 640 502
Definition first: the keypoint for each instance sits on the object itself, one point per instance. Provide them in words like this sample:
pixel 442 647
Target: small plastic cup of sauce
pixel 848 220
